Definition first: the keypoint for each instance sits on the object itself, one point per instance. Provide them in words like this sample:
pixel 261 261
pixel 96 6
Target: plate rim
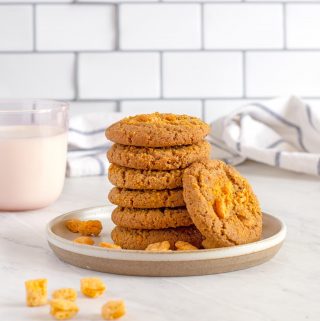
pixel 142 255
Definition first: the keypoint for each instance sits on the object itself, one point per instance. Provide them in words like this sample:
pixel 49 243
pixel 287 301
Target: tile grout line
pixel 118 106
pixel 161 74
pixel 203 109
pixel 202 25
pixel 34 28
pixel 117 27
pixel 166 2
pixel 76 76
pixel 244 78
pixel 218 50
pixel 284 25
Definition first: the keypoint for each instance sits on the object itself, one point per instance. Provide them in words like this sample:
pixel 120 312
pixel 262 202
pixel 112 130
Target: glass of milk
pixel 33 151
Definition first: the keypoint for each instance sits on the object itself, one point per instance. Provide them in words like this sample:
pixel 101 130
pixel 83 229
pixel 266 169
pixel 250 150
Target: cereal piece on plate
pixel 63 309
pixel 65 293
pixel 92 287
pixel 109 245
pixel 159 246
pixel 84 240
pixel 113 309
pixel 184 246
pixel 73 225
pixel 37 293
pixel 92 227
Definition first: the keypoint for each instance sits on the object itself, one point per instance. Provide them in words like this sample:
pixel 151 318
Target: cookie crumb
pixel 84 240
pixel 109 245
pixel 73 225
pixel 91 227
pixel 184 246
pixel 92 287
pixel 63 309
pixel 113 309
pixel 65 294
pixel 157 247
pixel 36 291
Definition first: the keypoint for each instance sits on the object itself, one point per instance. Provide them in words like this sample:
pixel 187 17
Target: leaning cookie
pixel 151 219
pixel 221 204
pixel 132 239
pixel 146 198
pixel 158 130
pixel 158 158
pixel 144 179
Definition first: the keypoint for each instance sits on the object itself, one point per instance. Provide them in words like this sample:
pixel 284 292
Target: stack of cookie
pixel 147 163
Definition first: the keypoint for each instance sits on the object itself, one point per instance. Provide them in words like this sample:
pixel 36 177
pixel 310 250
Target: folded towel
pixel 88 145
pixel 283 132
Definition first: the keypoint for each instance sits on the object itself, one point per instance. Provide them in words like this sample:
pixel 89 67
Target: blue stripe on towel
pixel 277 157
pixel 238 146
pixel 310 118
pixel 284 121
pixel 276 143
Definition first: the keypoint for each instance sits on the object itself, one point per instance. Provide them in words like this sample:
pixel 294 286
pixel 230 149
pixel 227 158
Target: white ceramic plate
pixel 173 263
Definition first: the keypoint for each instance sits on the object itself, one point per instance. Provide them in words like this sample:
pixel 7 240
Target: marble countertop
pixel 285 288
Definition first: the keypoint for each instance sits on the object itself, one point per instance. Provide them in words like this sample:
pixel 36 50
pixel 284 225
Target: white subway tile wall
pixel 160 26
pixel 202 74
pixel 119 75
pixel 201 57
pixel 75 27
pixel 39 75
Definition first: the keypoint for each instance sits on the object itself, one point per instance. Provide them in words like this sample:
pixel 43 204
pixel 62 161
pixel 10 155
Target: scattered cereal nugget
pixel 63 309
pixel 65 294
pixel 92 287
pixel 84 240
pixel 109 245
pixel 184 246
pixel 37 293
pixel 73 225
pixel 160 246
pixel 113 309
pixel 90 227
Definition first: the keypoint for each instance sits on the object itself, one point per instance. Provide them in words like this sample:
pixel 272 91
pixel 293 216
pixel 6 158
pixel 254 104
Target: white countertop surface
pixel 285 288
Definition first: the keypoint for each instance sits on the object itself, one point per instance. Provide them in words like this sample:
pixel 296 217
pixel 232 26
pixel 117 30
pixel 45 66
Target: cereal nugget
pixel 92 227
pixel 92 287
pixel 84 240
pixel 65 294
pixel 113 309
pixel 73 225
pixel 63 309
pixel 36 292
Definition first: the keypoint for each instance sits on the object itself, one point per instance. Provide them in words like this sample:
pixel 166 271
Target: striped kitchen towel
pixel 87 144
pixel 283 132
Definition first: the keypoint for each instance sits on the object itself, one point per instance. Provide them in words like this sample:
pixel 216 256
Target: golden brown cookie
pixel 144 179
pixel 146 198
pixel 151 219
pixel 132 239
pixel 158 158
pixel 158 130
pixel 221 204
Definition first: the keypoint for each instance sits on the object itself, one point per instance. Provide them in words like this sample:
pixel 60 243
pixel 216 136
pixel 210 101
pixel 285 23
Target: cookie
pixel 151 219
pixel 158 158
pixel 146 198
pixel 132 239
pixel 221 204
pixel 144 179
pixel 158 130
